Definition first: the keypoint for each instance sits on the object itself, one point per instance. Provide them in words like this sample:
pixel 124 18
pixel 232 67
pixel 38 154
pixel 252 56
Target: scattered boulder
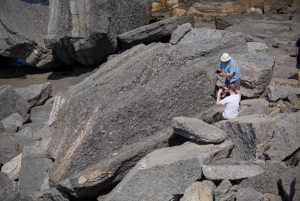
pixel 287 183
pixel 36 94
pixel 12 168
pixel 262 183
pixel 199 191
pixel 9 190
pixel 285 140
pixel 281 91
pixel 292 98
pixel 196 129
pixel 51 194
pixel 21 38
pixel 12 123
pixel 249 102
pixel 250 134
pixel 270 197
pixel 254 109
pixel 179 33
pixel 83 38
pixel 166 172
pixel 230 172
pixel 257 47
pixel 11 102
pixel 153 32
pixel 34 173
pixel 248 194
pixel 222 189
pixel 9 148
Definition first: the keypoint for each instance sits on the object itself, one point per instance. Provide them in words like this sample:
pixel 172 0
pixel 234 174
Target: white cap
pixel 225 57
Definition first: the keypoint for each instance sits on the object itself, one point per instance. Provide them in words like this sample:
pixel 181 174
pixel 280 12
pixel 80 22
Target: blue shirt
pixel 231 66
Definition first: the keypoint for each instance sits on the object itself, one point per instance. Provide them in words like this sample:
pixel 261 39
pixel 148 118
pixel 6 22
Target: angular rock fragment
pixel 179 33
pixel 222 189
pixel 256 47
pixel 36 94
pixel 11 102
pixel 197 130
pixel 12 123
pixel 165 172
pixel 248 194
pixel 249 102
pixel 153 32
pixel 199 191
pixel 231 172
pixel 12 168
pixel 254 109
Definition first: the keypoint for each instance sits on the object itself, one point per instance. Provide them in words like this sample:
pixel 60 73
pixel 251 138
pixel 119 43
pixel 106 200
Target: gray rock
pixel 250 134
pixel 179 33
pixel 17 38
pixel 165 172
pixel 34 173
pixel 153 32
pixel 222 189
pixel 285 140
pixel 287 183
pixel 274 169
pixel 254 109
pixel 113 169
pixel 199 43
pixel 13 123
pixel 257 47
pixel 263 183
pixel 281 92
pixel 8 148
pixel 230 172
pixel 249 102
pixel 297 184
pixel 270 197
pixel 50 194
pixel 11 102
pixel 12 168
pixel 197 130
pixel 248 194
pixel 292 98
pixel 256 70
pixel 82 37
pixel 199 191
pixel 36 94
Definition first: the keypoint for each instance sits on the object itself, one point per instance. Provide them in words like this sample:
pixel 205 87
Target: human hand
pixel 221 74
pixel 220 90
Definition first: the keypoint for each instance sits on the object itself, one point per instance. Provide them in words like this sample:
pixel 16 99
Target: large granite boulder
pixel 22 29
pixel 77 35
pixel 132 97
pixel 167 172
pixel 11 102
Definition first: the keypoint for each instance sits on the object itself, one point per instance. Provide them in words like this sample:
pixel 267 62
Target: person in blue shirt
pixel 229 68
pixel 298 59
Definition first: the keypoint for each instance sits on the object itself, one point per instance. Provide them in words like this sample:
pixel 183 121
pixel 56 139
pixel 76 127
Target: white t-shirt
pixel 231 106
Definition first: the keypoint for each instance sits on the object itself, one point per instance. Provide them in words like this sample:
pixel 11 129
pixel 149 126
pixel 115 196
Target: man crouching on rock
pixel 231 103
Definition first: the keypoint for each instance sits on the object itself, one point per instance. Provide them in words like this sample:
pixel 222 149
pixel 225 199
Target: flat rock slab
pixel 249 102
pixel 180 32
pixel 254 109
pixel 231 172
pixel 166 172
pixel 152 32
pixel 198 130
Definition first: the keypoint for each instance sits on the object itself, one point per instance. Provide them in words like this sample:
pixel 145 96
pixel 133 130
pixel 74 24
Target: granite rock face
pixel 78 36
pixel 167 171
pixel 22 29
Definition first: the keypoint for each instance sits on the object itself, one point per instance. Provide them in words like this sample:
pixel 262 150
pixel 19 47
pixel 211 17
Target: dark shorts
pixel 237 83
pixel 298 65
pixel 218 117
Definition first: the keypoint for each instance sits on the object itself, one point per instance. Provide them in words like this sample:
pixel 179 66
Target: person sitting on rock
pixel 229 68
pixel 231 103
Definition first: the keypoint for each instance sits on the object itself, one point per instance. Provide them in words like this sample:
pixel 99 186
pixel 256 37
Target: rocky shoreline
pixel 133 129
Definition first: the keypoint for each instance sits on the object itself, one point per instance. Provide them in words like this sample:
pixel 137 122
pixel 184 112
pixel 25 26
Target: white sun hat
pixel 225 57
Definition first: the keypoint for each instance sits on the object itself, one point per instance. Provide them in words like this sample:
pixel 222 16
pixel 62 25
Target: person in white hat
pixel 298 59
pixel 229 68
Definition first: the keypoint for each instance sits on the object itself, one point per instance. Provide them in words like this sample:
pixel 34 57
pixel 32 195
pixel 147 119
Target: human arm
pixel 218 97
pixel 297 52
pixel 226 74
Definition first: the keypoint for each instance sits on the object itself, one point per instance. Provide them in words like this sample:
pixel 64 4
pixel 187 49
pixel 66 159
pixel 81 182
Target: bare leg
pixel 239 93
pixel 299 75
